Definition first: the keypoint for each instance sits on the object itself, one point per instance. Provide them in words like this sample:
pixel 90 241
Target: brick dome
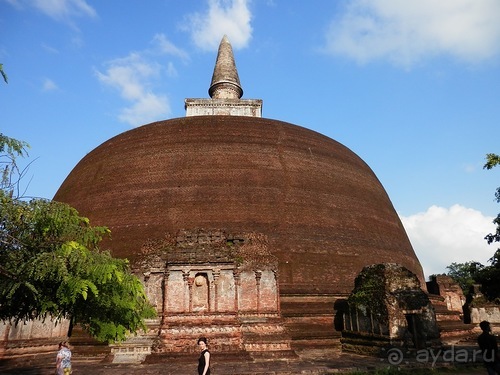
pixel 323 209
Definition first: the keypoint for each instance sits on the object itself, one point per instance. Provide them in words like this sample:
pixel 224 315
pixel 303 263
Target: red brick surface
pixel 323 209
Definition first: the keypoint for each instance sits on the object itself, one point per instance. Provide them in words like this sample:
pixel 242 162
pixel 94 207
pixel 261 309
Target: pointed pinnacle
pixel 225 81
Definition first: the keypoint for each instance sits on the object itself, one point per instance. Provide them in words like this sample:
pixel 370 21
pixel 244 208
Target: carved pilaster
pixel 216 274
pixel 164 287
pixel 278 304
pixel 188 285
pixel 236 276
pixel 258 277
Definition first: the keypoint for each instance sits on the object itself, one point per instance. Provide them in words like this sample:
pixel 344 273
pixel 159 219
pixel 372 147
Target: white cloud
pixel 64 9
pixel 50 49
pixel 49 85
pixel 147 108
pixel 59 10
pixel 14 3
pixel 171 71
pixel 135 76
pixel 441 236
pixel 132 76
pixel 223 17
pixel 167 47
pixel 472 167
pixel 407 32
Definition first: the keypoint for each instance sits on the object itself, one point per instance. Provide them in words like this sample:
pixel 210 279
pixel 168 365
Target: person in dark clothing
pixel 204 360
pixel 489 348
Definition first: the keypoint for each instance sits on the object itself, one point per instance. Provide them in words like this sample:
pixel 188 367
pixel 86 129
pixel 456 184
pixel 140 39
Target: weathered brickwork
pixel 490 313
pixel 322 209
pixel 221 286
pixel 32 336
pixel 449 289
pixel 308 213
pixel 388 308
pixel 448 300
pixel 479 308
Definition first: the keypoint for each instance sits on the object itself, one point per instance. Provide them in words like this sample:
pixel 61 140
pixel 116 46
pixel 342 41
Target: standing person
pixel 204 360
pixel 63 359
pixel 489 348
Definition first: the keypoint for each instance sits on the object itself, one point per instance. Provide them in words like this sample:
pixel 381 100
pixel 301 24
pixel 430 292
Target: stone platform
pixel 308 362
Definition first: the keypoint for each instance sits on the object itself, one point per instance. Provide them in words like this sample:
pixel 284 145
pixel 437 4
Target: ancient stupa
pixel 223 175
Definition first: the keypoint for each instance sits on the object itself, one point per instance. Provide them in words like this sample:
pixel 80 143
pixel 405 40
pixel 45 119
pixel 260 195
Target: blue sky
pixel 412 87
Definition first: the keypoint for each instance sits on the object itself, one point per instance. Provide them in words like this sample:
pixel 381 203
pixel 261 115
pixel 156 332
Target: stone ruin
pixel 31 337
pixel 213 284
pixel 451 304
pixel 388 308
pixel 478 308
pixel 225 287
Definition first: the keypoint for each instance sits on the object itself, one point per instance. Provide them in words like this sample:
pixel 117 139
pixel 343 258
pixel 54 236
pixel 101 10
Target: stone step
pixel 453 325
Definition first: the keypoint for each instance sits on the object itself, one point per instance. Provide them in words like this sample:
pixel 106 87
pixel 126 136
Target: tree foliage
pixel 4 75
pixel 493 160
pixel 489 278
pixel 10 150
pixel 51 266
pixel 470 273
pixel 465 274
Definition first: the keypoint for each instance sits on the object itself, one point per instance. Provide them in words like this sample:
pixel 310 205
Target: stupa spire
pixel 225 81
pixel 225 90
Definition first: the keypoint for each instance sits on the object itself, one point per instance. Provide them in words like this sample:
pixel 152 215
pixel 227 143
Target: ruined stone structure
pixel 217 285
pixel 388 308
pixel 478 308
pixel 323 211
pixel 447 298
pixel 32 336
pixel 446 287
pixel 490 312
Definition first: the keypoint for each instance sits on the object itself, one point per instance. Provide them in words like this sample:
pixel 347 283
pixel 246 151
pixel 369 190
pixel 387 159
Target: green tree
pixel 489 278
pixel 51 266
pixel 465 274
pixel 4 76
pixel 10 150
pixel 469 273
pixel 493 160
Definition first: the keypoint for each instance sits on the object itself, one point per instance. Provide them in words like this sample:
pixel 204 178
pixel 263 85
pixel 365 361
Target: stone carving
pixel 449 289
pixel 220 285
pixel 479 308
pixel 387 307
